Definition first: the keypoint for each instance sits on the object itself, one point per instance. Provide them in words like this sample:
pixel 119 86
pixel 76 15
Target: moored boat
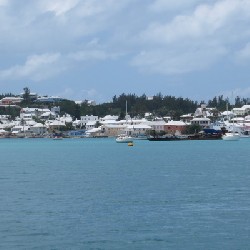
pixel 124 139
pixel 231 136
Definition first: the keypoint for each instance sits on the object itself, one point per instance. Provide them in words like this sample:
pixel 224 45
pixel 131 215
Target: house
pixel 175 126
pixel 109 118
pixel 112 130
pixel 138 129
pixel 88 118
pixel 55 125
pixel 28 113
pixel 91 124
pixel 20 129
pixel 202 121
pixel 187 118
pixel 38 129
pixel 49 99
pixel 158 126
pixel 239 111
pixel 11 100
pixel 48 115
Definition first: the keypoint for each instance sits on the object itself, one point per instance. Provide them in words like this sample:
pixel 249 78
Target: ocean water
pixel 98 194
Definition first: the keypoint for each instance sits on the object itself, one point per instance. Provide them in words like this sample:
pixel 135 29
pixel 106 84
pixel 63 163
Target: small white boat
pixel 124 138
pixel 57 138
pixel 231 137
pixel 245 134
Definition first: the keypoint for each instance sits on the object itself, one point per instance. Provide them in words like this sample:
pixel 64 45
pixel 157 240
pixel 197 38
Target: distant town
pixel 30 115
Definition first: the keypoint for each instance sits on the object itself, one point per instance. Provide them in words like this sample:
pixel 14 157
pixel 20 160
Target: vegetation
pixel 137 106
pixel 193 129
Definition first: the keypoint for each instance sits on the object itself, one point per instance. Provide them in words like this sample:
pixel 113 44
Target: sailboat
pixel 124 138
pixel 231 136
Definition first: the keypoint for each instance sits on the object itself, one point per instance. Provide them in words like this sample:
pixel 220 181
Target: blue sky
pixel 95 49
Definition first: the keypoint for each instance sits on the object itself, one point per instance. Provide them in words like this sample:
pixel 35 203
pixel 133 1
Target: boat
pixel 231 136
pixel 165 138
pixel 57 138
pixel 245 134
pixel 124 138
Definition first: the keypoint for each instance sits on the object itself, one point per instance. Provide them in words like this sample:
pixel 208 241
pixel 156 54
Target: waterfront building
pixel 38 129
pixel 175 126
pixel 113 130
pixel 138 129
pixel 91 124
pixel 88 118
pixel 202 121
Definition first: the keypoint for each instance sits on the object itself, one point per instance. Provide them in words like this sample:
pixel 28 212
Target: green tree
pixel 193 129
pixel 26 95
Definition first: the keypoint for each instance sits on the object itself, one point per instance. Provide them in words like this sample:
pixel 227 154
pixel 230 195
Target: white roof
pixel 110 117
pixel 93 130
pixel 91 123
pixel 39 125
pixel 201 119
pixel 238 109
pixel 139 126
pixel 115 126
pixel 246 106
pixel 57 123
pixel 106 122
pixel 48 113
pixel 176 123
pixel 155 123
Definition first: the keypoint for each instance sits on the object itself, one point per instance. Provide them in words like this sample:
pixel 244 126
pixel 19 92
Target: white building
pixel 239 111
pixel 138 129
pixel 91 124
pixel 156 125
pixel 28 113
pixel 203 121
pixel 88 118
pixel 39 129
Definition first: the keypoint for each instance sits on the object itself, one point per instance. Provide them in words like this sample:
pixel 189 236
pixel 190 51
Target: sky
pixel 95 49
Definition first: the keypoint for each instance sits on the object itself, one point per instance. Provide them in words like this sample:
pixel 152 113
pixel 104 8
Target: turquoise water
pixel 98 194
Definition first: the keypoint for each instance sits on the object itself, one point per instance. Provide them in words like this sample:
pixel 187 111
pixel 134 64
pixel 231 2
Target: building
pixel 239 111
pixel 138 129
pixel 158 126
pixel 112 130
pixel 88 118
pixel 89 125
pixel 28 113
pixel 38 129
pixel 11 100
pixel 49 99
pixel 173 127
pixel 203 122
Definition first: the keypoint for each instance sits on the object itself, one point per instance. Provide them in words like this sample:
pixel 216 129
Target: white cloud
pixel 243 55
pixel 194 41
pixel 57 6
pixel 4 2
pixel 178 61
pixel 175 36
pixel 171 5
pixel 37 67
pixel 203 22
pixel 93 55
